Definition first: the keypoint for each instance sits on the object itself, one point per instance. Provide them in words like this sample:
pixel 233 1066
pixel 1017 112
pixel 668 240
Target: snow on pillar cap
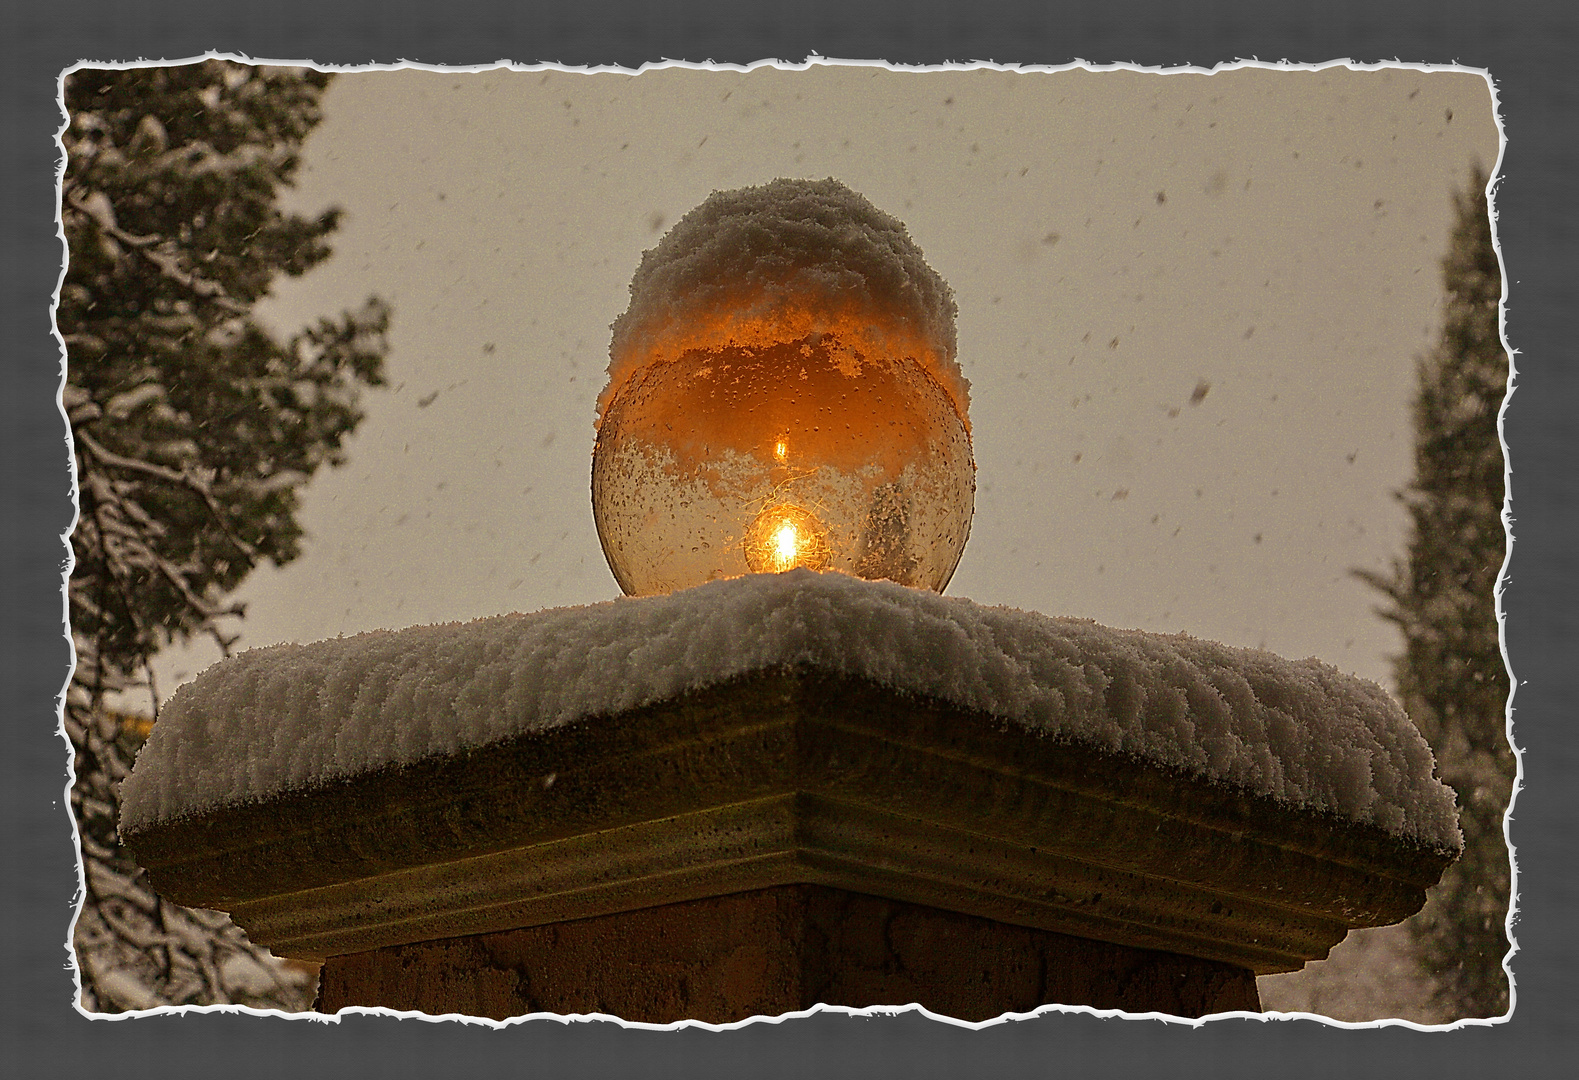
pixel 292 717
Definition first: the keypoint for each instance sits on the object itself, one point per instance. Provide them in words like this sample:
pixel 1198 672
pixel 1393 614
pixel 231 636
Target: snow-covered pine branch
pixel 195 431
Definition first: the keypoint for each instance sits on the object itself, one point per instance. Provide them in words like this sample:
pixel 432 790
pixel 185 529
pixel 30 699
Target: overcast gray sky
pixel 1120 243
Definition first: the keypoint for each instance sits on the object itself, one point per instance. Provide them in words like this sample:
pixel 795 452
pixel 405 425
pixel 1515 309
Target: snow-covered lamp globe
pixel 784 392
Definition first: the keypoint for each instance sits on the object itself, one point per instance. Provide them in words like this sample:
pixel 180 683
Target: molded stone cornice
pixel 791 776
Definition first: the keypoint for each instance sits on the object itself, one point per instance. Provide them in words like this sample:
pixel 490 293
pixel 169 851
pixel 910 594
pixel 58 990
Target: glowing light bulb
pixel 784 537
pixel 785 543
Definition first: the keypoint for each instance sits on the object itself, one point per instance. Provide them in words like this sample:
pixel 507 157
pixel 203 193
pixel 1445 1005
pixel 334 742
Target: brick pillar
pixel 778 950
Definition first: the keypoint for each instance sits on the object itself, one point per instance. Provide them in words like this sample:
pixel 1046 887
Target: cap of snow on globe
pixel 784 392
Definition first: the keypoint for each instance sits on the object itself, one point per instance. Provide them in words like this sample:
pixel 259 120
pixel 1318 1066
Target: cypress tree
pixel 1451 676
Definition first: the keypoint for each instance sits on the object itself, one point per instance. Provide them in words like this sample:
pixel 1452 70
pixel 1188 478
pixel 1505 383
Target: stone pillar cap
pixel 1150 790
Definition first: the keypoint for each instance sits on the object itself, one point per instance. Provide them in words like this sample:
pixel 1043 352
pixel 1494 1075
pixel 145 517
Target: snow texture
pixel 802 244
pixel 292 716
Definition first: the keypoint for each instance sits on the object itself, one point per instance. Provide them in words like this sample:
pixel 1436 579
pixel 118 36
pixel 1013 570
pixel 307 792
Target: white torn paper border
pixel 462 599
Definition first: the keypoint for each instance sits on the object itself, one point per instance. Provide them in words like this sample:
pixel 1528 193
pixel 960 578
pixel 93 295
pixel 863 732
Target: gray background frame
pixel 1528 46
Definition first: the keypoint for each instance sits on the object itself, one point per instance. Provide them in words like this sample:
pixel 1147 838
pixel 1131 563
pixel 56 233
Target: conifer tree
pixel 1451 675
pixel 194 429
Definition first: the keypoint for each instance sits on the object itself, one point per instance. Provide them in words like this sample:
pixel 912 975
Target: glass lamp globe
pixel 784 393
